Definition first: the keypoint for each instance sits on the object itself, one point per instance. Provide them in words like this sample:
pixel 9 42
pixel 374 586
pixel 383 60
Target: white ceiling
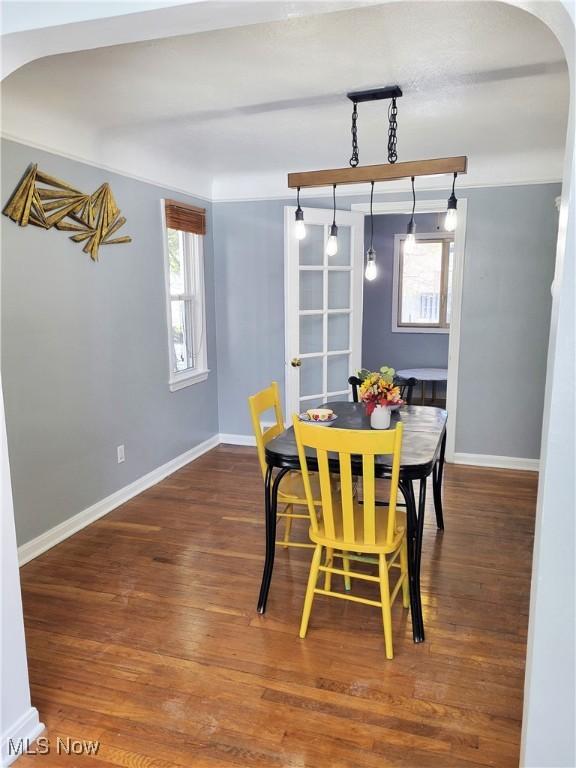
pixel 227 113
pixel 17 16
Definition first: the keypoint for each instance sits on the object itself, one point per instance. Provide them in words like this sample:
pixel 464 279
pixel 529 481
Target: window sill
pixel 418 329
pixel 186 380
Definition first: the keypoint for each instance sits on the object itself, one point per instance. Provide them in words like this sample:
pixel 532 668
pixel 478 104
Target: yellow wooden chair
pixel 347 529
pixel 291 492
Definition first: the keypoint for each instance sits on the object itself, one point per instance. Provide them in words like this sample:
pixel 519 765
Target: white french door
pixel 323 308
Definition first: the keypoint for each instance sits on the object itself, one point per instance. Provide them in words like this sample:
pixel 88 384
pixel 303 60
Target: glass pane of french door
pixel 312 247
pixel 311 334
pixel 338 331
pixel 311 288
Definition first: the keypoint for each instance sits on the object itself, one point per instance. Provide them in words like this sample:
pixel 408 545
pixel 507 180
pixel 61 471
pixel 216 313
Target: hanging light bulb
pixel 371 272
pixel 451 219
pixel 371 268
pixel 410 240
pixel 299 226
pixel 332 242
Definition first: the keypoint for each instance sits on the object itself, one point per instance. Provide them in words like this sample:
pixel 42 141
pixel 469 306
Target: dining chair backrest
pixel 406 387
pixel 355 382
pixel 340 524
pixel 259 403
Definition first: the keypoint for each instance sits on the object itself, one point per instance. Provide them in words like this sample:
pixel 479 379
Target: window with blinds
pixel 185 218
pixel 185 226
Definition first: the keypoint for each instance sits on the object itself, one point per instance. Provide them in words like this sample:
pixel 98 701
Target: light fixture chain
pixel 371 216
pixel 354 160
pixel 392 128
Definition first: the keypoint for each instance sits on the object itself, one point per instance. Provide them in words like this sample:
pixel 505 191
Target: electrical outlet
pixel 121 455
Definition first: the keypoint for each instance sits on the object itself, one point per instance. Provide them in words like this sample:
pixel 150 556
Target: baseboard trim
pixel 231 439
pixel 55 535
pixel 471 459
pixel 497 462
pixel 23 733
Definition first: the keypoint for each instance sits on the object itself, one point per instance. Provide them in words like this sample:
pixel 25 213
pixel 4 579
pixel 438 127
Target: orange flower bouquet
pixel 379 389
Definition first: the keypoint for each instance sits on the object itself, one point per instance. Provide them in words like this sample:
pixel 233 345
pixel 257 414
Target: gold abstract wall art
pixel 43 201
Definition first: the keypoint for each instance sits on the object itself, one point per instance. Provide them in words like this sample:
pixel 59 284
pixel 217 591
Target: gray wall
pixel 380 346
pixel 249 284
pixel 84 349
pixel 85 354
pixel 506 302
pixel 509 263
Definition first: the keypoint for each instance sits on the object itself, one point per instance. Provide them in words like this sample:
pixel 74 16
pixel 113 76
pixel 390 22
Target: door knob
pixel 295 362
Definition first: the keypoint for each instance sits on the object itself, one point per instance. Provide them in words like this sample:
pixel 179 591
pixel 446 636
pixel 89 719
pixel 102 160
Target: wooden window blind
pixel 186 218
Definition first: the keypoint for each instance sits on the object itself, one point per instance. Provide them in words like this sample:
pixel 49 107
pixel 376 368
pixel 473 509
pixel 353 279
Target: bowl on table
pixel 323 416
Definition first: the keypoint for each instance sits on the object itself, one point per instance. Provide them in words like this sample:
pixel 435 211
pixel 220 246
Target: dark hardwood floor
pixel 142 633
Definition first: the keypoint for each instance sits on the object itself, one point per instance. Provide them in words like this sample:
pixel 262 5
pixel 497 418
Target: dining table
pixel 423 451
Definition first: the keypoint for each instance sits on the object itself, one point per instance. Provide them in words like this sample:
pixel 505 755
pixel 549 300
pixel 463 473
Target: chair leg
pixel 346 567
pixel 312 579
pixel 329 562
pixel 404 573
pixel 386 609
pixel 287 525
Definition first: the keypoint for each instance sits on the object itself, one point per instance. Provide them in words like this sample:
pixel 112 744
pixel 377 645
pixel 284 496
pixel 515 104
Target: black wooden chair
pixel 406 387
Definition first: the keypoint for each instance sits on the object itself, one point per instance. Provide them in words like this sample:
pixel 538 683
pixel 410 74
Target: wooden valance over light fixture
pixel 385 172
pixel 186 218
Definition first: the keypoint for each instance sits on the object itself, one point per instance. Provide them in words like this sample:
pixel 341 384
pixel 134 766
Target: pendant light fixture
pixel 371 268
pixel 451 219
pixel 299 226
pixel 332 242
pixel 410 241
pixel 390 171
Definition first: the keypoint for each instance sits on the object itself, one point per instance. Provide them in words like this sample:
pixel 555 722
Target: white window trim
pixel 398 240
pixel 182 379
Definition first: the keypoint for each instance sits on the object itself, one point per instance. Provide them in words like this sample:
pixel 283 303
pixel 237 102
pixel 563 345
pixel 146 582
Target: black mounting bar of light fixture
pixel 375 94
pixel 390 92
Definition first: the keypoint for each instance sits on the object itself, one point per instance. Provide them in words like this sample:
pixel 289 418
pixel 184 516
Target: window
pixel 422 299
pixel 185 299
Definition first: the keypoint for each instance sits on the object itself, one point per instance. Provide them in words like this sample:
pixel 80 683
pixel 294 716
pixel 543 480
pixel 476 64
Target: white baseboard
pixel 471 459
pixel 55 535
pixel 233 439
pixel 237 439
pixel 20 736
pixel 497 462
